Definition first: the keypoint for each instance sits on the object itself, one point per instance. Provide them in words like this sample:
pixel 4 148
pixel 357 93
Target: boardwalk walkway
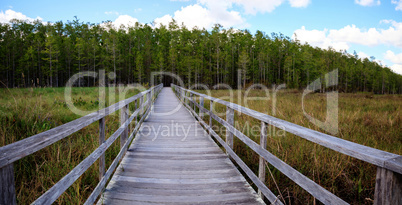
pixel 174 161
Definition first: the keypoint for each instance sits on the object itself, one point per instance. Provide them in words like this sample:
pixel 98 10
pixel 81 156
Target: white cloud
pixel 125 20
pixel 137 10
pixel 363 55
pixel 299 3
pixel 206 13
pixel 397 68
pixel 204 17
pixel 368 2
pixel 350 34
pixel 398 4
pixel 356 35
pixel 318 38
pixel 8 15
pixel 394 58
pixel 165 20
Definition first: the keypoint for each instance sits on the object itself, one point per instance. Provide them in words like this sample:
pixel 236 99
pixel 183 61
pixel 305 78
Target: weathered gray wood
pixel 261 186
pixel 154 163
pixel 211 108
pixel 102 127
pixel 230 121
pixel 53 193
pixel 388 187
pixel 22 148
pixel 364 153
pixel 202 105
pixel 141 105
pixel 263 145
pixel 190 101
pixel 123 119
pixel 102 183
pixel 307 184
pixel 7 185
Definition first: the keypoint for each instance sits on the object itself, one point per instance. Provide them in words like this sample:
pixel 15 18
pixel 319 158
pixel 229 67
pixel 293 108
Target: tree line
pixel 35 54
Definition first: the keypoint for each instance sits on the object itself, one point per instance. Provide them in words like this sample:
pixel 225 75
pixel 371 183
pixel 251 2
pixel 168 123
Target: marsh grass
pixel 370 120
pixel 26 112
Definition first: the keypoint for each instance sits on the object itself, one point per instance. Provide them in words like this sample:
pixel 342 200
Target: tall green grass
pixel 370 120
pixel 26 112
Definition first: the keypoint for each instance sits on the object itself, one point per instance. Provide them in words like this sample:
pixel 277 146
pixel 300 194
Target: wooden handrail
pixel 389 164
pixel 25 147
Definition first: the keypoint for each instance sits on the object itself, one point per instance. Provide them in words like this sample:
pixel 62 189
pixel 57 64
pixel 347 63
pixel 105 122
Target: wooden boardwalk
pixel 174 161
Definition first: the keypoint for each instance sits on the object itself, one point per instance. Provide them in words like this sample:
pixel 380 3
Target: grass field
pixel 371 120
pixel 26 112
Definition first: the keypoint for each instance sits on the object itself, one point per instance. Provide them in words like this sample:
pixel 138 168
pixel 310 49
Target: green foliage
pixel 39 55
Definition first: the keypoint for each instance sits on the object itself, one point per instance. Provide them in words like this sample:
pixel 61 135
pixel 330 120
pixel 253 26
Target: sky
pixel 369 27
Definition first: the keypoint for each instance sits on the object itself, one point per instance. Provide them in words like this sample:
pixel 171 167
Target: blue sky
pixel 369 27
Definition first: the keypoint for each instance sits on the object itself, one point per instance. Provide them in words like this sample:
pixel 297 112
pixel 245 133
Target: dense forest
pixel 37 54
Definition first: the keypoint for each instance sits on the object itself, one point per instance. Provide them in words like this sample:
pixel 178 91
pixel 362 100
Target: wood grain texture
pixel 388 187
pixel 102 127
pixel 230 120
pixel 364 153
pixel 263 145
pixel 184 167
pixel 7 185
pixel 123 119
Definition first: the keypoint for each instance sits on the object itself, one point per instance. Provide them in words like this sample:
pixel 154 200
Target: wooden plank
pixel 388 187
pixel 102 127
pixel 180 187
pixel 364 153
pixel 7 185
pixel 174 192
pixel 206 199
pixel 25 147
pixel 263 145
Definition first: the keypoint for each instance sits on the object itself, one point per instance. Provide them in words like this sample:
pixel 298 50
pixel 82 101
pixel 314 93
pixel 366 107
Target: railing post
pixel 263 144
pixel 230 120
pixel 123 119
pixel 102 126
pixel 388 187
pixel 201 113
pixel 190 101
pixel 211 108
pixel 141 104
pixel 7 185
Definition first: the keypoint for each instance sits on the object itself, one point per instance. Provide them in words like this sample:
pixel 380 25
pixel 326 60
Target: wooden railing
pixel 15 151
pixel 388 188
